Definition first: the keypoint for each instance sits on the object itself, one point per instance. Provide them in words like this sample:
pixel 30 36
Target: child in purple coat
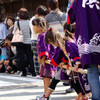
pixel 45 52
pixel 66 44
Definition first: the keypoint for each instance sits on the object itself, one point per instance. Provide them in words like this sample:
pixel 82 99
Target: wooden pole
pixel 0 8
pixel 23 3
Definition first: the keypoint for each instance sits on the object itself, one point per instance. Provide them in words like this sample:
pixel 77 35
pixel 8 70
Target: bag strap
pixel 18 25
pixel 58 19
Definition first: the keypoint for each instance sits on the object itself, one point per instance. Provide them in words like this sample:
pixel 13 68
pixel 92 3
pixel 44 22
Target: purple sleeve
pixel 72 49
pixel 43 47
pixel 64 59
pixel 72 12
pixel 57 59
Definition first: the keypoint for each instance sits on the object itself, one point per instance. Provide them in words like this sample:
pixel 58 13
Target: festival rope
pixel 69 67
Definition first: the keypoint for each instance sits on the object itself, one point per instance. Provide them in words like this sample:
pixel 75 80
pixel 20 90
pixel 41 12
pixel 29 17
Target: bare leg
pixel 46 84
pixel 1 66
pixel 48 92
pixel 79 95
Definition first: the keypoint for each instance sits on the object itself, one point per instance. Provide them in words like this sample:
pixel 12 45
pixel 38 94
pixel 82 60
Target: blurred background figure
pixel 2 58
pixel 10 22
pixel 25 49
pixel 55 18
pixel 41 11
pixel 3 34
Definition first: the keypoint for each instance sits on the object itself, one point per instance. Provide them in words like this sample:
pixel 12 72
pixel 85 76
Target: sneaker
pixel 88 95
pixel 66 83
pixel 41 97
pixel 38 77
pixel 83 98
pixel 17 73
pixel 77 98
pixel 70 90
pixel 20 73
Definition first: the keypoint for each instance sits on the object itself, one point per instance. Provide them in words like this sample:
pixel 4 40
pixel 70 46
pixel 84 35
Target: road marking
pixel 3 83
pixel 27 79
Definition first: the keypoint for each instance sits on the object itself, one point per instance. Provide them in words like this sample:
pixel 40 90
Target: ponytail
pixel 69 30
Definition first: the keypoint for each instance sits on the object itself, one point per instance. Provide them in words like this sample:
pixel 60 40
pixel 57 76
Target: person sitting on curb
pixel 2 68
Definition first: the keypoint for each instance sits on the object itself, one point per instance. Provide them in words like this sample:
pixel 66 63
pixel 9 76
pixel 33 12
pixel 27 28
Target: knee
pixel 13 62
pixel 53 84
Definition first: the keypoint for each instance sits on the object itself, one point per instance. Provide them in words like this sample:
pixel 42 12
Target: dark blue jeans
pixel 93 78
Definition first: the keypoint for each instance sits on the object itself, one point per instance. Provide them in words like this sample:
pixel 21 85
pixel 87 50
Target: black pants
pixel 2 70
pixel 13 67
pixel 74 85
pixel 26 50
pixel 54 83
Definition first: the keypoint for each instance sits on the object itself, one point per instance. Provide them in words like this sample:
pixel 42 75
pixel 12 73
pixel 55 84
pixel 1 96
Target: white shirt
pixel 33 35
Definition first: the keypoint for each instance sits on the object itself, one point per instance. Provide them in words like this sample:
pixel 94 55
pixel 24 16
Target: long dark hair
pixel 69 30
pixel 53 35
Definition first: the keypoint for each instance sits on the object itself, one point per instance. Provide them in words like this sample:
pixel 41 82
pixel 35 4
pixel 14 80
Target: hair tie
pixel 48 29
pixel 40 20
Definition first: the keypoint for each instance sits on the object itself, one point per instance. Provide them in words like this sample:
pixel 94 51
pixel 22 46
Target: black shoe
pixel 66 83
pixel 24 75
pixel 28 73
pixel 33 74
pixel 70 90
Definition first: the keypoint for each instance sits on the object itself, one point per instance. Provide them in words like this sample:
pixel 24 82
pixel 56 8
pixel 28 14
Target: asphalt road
pixel 15 87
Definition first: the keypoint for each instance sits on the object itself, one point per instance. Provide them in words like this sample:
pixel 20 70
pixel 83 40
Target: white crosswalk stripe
pixel 21 78
pixel 3 83
pixel 15 80
pixel 29 93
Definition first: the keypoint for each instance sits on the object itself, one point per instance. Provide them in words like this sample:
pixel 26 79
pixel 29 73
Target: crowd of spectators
pixel 23 59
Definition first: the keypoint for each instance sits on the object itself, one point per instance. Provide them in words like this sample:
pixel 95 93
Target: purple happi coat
pixel 86 14
pixel 57 59
pixel 72 51
pixel 45 50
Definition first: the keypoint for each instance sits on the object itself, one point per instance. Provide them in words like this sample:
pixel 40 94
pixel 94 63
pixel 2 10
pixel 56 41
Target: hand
pixel 1 66
pixel 39 59
pixel 75 67
pixel 4 44
pixel 72 1
pixel 61 64
pixel 43 60
pixel 6 62
pixel 99 66
pixel 8 68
